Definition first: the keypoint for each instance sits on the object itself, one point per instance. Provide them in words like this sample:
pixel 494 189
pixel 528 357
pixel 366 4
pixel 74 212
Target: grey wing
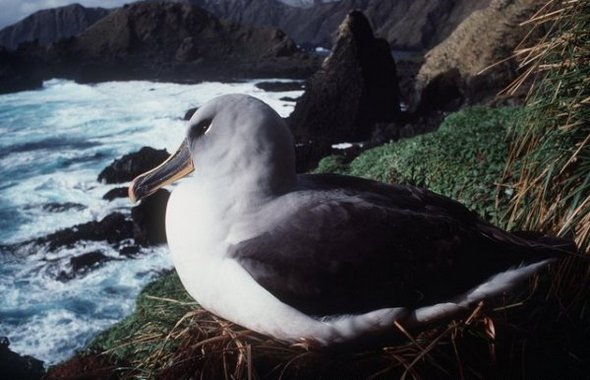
pixel 387 247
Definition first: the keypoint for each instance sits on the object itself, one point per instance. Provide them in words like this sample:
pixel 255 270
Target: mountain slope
pixel 405 24
pixel 51 25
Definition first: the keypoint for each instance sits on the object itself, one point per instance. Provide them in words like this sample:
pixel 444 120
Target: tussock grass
pixel 549 159
pixel 172 338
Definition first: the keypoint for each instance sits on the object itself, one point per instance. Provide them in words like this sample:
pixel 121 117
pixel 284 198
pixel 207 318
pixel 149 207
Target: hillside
pixel 405 24
pixel 51 25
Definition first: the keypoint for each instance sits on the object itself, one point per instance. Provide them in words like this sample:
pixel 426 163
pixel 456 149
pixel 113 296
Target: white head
pixel 233 140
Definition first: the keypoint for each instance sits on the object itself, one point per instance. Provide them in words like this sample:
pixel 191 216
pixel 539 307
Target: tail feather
pixel 548 242
pixel 541 246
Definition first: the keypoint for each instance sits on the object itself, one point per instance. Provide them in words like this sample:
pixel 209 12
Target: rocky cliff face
pixel 405 24
pixel 51 25
pixel 474 62
pixel 355 88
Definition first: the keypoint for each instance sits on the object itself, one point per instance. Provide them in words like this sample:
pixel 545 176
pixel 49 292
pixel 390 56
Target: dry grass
pixel 171 338
pixel 551 147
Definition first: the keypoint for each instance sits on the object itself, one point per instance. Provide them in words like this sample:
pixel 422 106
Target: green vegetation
pixel 464 159
pixel 159 306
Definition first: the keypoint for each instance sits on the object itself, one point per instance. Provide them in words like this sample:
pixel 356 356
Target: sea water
pixel 53 144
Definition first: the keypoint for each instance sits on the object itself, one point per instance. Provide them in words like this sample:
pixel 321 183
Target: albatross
pixel 318 258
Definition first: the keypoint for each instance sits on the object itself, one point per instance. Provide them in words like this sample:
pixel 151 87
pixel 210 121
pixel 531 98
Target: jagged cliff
pixel 51 25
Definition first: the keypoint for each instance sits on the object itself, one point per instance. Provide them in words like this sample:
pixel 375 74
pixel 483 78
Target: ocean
pixel 53 144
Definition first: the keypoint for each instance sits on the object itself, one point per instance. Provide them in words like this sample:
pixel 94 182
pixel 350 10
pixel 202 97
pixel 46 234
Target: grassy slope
pixel 463 159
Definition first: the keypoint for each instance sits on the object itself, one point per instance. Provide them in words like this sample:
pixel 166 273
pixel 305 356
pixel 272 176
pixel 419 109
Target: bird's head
pixel 234 138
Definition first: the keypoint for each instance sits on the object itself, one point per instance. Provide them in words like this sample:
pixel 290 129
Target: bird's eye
pixel 200 128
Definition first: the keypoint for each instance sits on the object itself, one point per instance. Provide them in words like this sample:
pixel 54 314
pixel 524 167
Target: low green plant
pixel 161 304
pixel 464 159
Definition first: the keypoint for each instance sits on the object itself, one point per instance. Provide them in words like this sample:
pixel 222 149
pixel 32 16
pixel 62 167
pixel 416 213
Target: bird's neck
pixel 245 188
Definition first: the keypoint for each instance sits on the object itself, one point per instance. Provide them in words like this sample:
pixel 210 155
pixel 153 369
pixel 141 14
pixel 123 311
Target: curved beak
pixel 174 168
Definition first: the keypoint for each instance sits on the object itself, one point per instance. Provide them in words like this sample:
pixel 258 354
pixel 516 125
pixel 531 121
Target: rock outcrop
pixel 17 73
pixel 355 88
pixel 15 366
pixel 455 71
pixel 51 25
pixel 113 229
pixel 149 219
pixel 131 165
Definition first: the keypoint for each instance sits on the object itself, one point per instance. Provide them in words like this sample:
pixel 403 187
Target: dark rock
pixel 309 153
pixel 86 260
pixel 83 264
pixel 113 229
pixel 189 113
pixel 15 366
pixel 279 86
pixel 17 73
pixel 129 251
pixel 149 219
pixel 51 25
pixel 355 88
pixel 131 165
pixel 117 192
pixel 61 207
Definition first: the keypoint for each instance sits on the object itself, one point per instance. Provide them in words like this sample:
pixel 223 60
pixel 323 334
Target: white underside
pixel 221 285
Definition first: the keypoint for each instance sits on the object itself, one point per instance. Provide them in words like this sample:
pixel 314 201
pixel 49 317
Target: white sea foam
pixel 53 144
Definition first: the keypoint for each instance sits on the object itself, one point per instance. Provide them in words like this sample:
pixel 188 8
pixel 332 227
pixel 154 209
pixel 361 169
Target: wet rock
pixel 189 113
pixel 279 86
pixel 61 207
pixel 131 165
pixel 113 229
pixel 146 226
pixel 129 251
pixel 15 366
pixel 355 88
pixel 117 192
pixel 83 264
pixel 86 260
pixel 149 219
